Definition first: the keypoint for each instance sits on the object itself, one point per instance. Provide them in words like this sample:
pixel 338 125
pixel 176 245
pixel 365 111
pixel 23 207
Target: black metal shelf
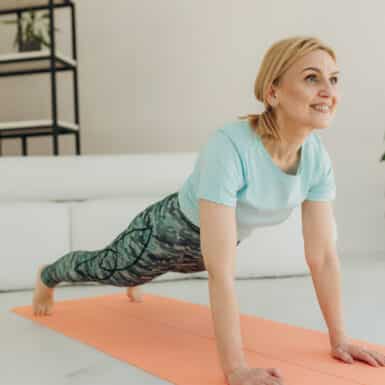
pixel 26 63
pixel 39 62
pixel 8 129
pixel 12 6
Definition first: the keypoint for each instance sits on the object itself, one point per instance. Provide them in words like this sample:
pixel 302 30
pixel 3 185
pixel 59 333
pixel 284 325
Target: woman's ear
pixel 272 96
pixel 273 100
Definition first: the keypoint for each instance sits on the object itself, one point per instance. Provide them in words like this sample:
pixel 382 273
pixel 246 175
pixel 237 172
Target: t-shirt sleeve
pixel 324 186
pixel 220 173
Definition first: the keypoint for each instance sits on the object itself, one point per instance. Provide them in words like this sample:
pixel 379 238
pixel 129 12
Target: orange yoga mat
pixel 174 340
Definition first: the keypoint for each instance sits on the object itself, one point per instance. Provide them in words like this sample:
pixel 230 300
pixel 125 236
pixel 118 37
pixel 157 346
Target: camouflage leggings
pixel 158 240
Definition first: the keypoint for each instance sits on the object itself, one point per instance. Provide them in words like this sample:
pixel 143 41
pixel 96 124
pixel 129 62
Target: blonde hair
pixel 279 57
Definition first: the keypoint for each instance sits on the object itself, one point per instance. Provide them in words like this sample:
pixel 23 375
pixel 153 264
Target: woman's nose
pixel 326 88
pixel 326 92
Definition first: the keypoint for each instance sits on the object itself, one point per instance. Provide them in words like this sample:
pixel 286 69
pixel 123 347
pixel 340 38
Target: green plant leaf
pixel 35 36
pixel 15 41
pixel 42 38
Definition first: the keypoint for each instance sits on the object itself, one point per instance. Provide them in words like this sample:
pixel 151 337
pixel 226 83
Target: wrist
pixel 234 370
pixel 336 339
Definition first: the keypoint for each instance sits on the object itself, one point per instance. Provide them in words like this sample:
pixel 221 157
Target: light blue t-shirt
pixel 235 169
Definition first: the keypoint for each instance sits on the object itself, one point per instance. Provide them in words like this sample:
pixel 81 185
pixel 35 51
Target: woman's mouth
pixel 323 108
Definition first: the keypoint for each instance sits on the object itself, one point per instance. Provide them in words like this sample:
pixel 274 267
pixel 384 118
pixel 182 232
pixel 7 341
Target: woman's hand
pixel 255 376
pixel 348 352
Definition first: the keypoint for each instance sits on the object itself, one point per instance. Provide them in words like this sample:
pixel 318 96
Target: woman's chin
pixel 322 122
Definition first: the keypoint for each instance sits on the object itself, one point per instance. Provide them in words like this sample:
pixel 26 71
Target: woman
pixel 251 172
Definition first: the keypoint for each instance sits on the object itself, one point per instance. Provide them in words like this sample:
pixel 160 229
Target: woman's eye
pixel 334 78
pixel 310 76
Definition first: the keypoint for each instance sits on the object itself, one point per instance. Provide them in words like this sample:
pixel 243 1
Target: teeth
pixel 323 108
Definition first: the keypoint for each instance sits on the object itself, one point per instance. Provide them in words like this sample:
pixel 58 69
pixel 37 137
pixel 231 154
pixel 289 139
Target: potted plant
pixel 34 31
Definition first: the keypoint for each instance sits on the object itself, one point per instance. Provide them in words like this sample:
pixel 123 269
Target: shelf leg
pixel 77 141
pixel 53 77
pixel 75 78
pixel 24 144
pixel 55 142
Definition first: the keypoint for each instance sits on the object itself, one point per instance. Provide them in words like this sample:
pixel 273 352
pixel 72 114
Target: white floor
pixel 31 354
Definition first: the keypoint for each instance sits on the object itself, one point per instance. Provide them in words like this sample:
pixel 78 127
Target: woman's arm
pixel 218 246
pixel 319 233
pixel 226 320
pixel 327 284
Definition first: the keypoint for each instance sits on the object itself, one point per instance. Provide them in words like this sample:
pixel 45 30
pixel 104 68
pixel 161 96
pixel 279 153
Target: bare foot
pixel 42 302
pixel 133 292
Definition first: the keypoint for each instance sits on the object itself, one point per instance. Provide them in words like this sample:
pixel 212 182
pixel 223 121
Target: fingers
pixel 275 372
pixel 380 358
pixel 368 357
pixel 343 355
pixel 348 358
pixel 276 377
pixel 273 382
pixel 375 357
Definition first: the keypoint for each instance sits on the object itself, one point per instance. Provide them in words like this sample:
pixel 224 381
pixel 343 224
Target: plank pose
pixel 251 172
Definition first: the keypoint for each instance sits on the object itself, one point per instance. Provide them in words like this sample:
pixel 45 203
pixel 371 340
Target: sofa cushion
pixel 72 177
pixel 31 234
pixel 96 222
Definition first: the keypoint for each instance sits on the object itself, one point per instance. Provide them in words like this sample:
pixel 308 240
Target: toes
pixel 134 294
pixel 35 309
pixel 48 310
pixel 135 298
pixel 40 310
pixel 139 298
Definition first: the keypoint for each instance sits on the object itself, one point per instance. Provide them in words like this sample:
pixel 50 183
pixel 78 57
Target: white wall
pixel 160 76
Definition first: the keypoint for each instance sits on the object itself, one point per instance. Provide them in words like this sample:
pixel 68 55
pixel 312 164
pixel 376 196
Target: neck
pixel 288 148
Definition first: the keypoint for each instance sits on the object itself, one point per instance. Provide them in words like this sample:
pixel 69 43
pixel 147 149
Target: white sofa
pixel 50 205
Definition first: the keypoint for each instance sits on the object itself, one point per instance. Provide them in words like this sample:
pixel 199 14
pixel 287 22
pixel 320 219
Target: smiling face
pixel 311 80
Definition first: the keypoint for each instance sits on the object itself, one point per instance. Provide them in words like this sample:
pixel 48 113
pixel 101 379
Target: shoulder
pixel 230 135
pixel 317 145
pixel 226 145
pixel 237 133
pixel 319 154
